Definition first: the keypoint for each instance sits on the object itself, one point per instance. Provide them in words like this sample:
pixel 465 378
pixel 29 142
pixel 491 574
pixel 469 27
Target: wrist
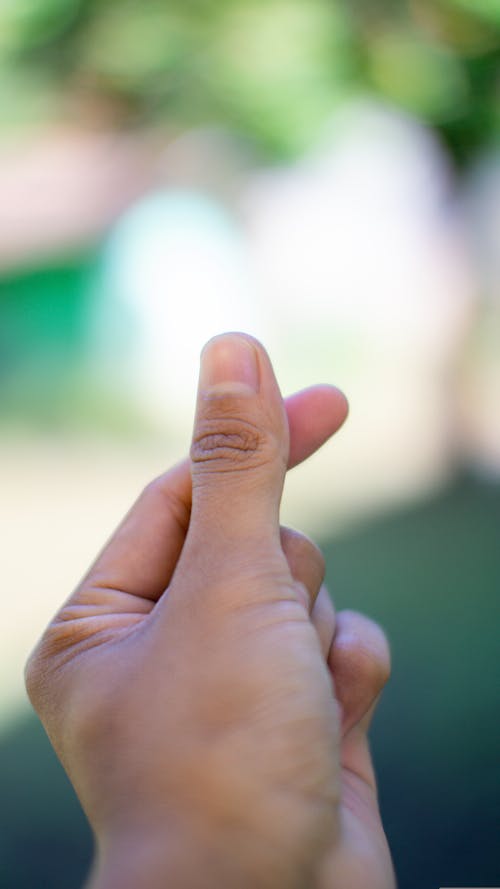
pixel 192 859
pixel 152 863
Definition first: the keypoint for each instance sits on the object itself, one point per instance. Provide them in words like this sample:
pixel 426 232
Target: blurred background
pixel 326 176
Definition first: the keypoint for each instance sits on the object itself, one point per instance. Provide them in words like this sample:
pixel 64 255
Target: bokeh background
pixel 326 176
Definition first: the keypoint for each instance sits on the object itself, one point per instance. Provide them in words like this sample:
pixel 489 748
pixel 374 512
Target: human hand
pixel 185 686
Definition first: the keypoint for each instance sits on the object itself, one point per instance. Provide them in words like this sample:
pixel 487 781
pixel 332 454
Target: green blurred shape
pixel 48 380
pixel 489 10
pixel 45 840
pixel 27 98
pixel 430 574
pixel 43 321
pixel 477 127
pixel 43 312
pixel 277 70
pixel 425 79
pixel 148 45
pixel 26 24
pixel 271 71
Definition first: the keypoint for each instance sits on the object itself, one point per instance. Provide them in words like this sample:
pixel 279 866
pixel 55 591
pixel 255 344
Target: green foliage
pixel 26 24
pixel 489 10
pixel 273 70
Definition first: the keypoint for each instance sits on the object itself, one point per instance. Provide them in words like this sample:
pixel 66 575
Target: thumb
pixel 240 445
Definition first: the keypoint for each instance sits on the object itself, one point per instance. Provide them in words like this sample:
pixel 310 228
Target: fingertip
pixel 229 363
pixel 332 394
pixel 314 415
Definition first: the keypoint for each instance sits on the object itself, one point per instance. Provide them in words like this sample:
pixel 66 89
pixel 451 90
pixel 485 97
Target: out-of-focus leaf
pixel 489 10
pixel 422 78
pixel 27 24
pixel 273 70
pixel 278 68
pixel 454 26
pixel 133 44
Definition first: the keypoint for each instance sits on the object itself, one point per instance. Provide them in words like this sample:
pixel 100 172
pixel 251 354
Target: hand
pixel 185 684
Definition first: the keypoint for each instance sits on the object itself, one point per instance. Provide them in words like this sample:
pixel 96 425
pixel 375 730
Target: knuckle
pixel 303 554
pixel 310 551
pixel 230 440
pixel 154 488
pixel 298 541
pixel 34 678
pixel 372 665
pixel 159 490
pixel 364 649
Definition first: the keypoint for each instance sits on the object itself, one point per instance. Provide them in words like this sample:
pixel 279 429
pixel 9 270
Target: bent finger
pixel 323 619
pixel 140 557
pixel 360 664
pixel 306 563
pixel 359 660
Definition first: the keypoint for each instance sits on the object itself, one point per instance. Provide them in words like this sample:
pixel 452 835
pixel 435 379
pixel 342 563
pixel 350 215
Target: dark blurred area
pixel 325 175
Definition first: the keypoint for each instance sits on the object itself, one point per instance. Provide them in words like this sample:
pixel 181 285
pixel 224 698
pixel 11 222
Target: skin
pixel 208 705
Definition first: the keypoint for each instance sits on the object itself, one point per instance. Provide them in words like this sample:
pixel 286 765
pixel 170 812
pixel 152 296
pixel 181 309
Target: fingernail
pixel 229 362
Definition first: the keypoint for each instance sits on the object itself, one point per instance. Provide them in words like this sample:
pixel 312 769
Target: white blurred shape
pixel 364 264
pixel 176 273
pixel 361 234
pixel 354 271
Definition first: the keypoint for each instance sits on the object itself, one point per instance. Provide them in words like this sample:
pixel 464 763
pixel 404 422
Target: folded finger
pixel 306 563
pixel 323 619
pixel 359 661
